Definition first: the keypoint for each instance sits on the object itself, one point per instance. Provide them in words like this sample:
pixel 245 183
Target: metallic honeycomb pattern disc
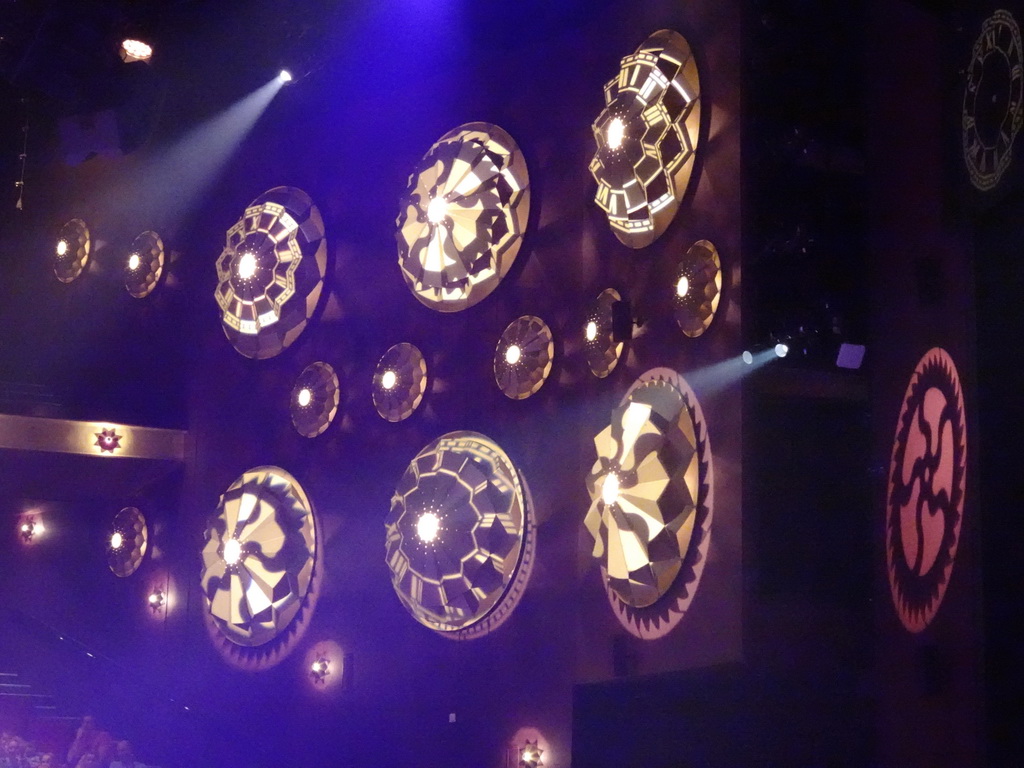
pixel 646 138
pixel 260 567
pixel 697 288
pixel 144 264
pixel 399 382
pixel 463 217
pixel 314 399
pixel 523 357
pixel 460 536
pixel 128 541
pixel 71 255
pixel 271 271
pixel 600 345
pixel 927 487
pixel 650 510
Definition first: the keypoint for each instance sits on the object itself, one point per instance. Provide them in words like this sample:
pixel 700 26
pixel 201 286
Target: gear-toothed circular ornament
pixel 399 382
pixel 71 256
pixel 646 138
pixel 314 399
pixel 144 265
pixel 602 344
pixel 460 536
pixel 128 541
pixel 651 503
pixel 523 357
pixel 927 482
pixel 271 272
pixel 463 217
pixel 260 568
pixel 696 288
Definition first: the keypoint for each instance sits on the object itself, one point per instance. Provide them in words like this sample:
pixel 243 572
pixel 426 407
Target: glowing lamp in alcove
pixel 650 510
pixel 463 216
pixel 460 536
pixel 647 138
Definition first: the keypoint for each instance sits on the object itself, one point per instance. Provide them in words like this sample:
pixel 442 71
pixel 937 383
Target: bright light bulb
pixel 682 287
pixel 319 667
pixel 285 76
pixel 247 265
pixel 428 526
pixel 136 50
pixel 747 357
pixel 232 551
pixel 26 527
pixel 389 379
pixel 154 598
pixel 116 540
pixel 527 755
pixel 37 527
pixel 134 261
pixel 591 330
pixel 305 397
pixel 512 354
pixel 437 209
pixel 781 350
pixel 610 489
pixel 616 133
pixel 62 247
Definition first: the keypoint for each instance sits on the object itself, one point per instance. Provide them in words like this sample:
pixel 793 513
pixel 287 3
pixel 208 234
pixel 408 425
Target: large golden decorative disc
pixel 144 264
pixel 314 399
pixel 71 255
pixel 463 217
pixel 650 510
pixel 927 484
pixel 460 536
pixel 697 288
pixel 601 344
pixel 399 382
pixel 260 566
pixel 270 274
pixel 646 138
pixel 522 359
pixel 128 541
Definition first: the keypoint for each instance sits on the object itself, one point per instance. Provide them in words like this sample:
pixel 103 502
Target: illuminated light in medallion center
pixel 134 261
pixel 116 540
pixel 437 209
pixel 62 248
pixel 682 287
pixel 305 397
pixel 512 354
pixel 389 379
pixel 428 526
pixel 610 489
pixel 232 551
pixel 616 133
pixel 591 330
pixel 247 266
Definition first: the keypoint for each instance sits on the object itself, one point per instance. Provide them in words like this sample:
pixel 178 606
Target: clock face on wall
pixel 993 107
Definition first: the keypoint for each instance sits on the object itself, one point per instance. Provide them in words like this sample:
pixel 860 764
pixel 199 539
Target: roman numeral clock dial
pixel 993 106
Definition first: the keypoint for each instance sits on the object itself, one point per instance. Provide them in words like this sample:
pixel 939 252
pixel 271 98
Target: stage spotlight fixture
pixel 285 76
pixel 781 350
pixel 748 357
pixel 133 49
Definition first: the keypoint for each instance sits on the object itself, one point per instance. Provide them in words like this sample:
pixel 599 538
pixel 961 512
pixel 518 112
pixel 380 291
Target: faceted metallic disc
pixel 696 288
pixel 399 382
pixel 650 511
pixel 127 542
pixel 463 217
pixel 144 264
pixel 270 274
pixel 314 399
pixel 460 536
pixel 927 484
pixel 522 359
pixel 646 138
pixel 260 567
pixel 71 255
pixel 600 345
